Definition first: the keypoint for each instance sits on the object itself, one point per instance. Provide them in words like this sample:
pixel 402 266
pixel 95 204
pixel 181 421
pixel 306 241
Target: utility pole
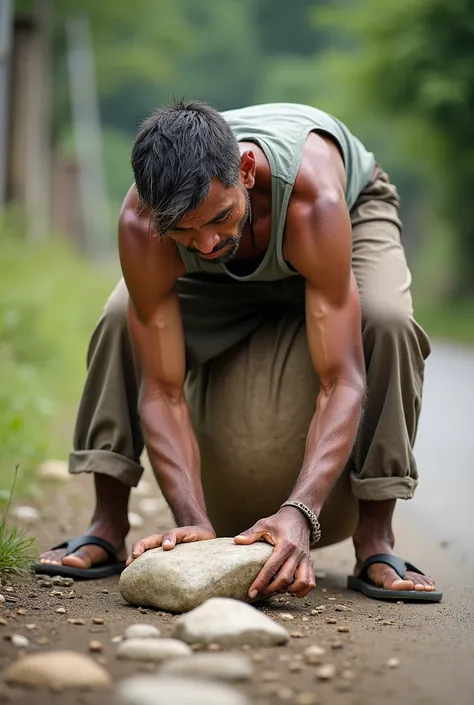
pixel 6 19
pixel 87 128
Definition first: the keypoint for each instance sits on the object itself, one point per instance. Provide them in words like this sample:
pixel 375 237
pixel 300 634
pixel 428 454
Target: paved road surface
pixel 445 452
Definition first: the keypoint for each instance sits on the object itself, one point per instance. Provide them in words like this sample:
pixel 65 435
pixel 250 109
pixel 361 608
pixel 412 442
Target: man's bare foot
pixel 91 555
pixel 383 575
pixel 110 522
pixel 374 535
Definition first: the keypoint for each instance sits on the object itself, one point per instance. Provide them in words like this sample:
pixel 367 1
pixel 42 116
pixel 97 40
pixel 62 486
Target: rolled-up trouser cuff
pixel 380 488
pixel 106 462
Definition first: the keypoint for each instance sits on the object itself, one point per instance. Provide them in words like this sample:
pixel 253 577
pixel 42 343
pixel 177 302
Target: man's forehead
pixel 213 204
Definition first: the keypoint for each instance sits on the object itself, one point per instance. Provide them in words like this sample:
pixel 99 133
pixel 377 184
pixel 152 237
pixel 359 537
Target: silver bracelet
pixel 315 535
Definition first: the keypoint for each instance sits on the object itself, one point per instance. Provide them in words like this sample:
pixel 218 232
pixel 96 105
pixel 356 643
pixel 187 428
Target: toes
pixel 421 582
pixel 397 583
pixel 80 559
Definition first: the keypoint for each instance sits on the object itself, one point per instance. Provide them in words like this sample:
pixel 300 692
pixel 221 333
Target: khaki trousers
pixel 252 387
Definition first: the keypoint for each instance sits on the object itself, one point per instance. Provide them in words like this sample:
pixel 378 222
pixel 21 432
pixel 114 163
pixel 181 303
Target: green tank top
pixel 280 130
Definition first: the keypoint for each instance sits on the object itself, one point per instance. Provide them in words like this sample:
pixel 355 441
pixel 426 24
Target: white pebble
pixel 314 654
pixel 135 520
pixel 25 513
pixel 326 672
pixel 393 662
pixel 2 600
pixel 286 616
pixel 149 506
pixel 20 641
pixel 141 631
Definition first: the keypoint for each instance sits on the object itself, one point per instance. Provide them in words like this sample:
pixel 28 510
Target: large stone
pixel 57 670
pixel 229 623
pixel 155 650
pixel 161 690
pixel 181 579
pixel 221 667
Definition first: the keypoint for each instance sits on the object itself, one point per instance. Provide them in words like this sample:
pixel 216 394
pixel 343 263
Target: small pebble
pixel 305 619
pixel 116 639
pixel 105 591
pixel 341 608
pixel 297 635
pixel 76 622
pixel 141 631
pixel 9 589
pixel 3 622
pixel 32 594
pixel 268 676
pixel 393 662
pixel 21 612
pixel 387 622
pixel 96 647
pixel 343 628
pixel 61 610
pixel 135 520
pixel 284 693
pixel 214 647
pixel 20 641
pixel 313 654
pixel 71 595
pixel 400 602
pixel 30 627
pixel 326 672
pixel 2 600
pixel 56 593
pixel 306 699
pixel 332 599
pixel 97 620
pixel 337 645
pixel 286 616
pixel 295 666
pixel 331 620
pixel 259 657
pixel 25 513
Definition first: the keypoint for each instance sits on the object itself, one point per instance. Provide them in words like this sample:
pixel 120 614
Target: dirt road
pixel 434 643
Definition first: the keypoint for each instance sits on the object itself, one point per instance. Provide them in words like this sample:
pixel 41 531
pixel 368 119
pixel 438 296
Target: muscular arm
pixel 151 267
pixel 320 237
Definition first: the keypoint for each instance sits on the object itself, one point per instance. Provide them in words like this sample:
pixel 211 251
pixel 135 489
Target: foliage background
pixel 400 73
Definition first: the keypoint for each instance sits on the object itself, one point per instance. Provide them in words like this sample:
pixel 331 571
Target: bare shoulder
pixel 150 264
pixel 322 171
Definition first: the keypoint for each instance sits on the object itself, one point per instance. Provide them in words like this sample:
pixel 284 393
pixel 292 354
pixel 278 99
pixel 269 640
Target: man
pixel 235 222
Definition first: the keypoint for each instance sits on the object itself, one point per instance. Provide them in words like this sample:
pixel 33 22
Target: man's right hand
pixel 168 540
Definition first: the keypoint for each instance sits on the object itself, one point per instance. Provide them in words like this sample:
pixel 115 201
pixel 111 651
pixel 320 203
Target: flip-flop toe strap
pixel 398 564
pixel 74 544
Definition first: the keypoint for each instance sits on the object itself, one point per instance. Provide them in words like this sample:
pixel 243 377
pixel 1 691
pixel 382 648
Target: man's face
pixel 213 231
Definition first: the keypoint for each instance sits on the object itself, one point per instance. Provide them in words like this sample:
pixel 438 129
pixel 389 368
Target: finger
pixel 285 576
pixel 270 569
pixel 256 532
pixel 171 538
pixel 304 579
pixel 153 541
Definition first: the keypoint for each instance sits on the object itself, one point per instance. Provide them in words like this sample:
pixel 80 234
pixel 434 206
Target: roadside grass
pixel 50 299
pixel 17 549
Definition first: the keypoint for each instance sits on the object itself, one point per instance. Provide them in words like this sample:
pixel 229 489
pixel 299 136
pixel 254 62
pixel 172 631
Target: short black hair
pixel 176 154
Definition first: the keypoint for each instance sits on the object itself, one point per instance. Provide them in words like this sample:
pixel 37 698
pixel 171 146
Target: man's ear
pixel 248 168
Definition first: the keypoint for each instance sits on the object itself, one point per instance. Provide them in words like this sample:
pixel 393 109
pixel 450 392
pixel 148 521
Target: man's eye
pixel 224 219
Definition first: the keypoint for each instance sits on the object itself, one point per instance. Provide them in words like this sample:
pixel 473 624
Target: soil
pixel 434 643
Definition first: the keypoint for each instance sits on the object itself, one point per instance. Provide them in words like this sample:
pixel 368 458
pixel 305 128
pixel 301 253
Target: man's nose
pixel 206 242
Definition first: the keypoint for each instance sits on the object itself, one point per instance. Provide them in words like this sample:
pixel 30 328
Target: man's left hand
pixel 290 568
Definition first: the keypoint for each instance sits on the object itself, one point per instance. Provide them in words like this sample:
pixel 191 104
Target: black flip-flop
pixel 362 582
pixel 111 566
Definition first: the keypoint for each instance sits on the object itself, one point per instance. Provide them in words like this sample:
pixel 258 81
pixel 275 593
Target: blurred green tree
pixel 413 60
